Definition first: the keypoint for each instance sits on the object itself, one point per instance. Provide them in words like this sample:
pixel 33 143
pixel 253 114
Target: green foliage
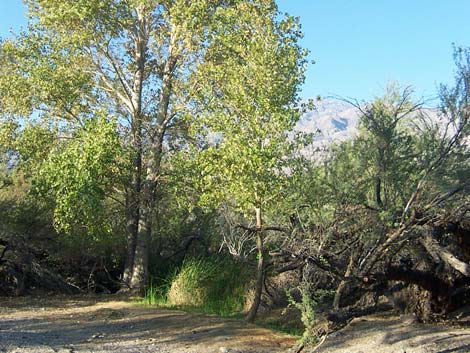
pixel 78 175
pixel 373 175
pixel 19 213
pixel 149 65
pixel 44 75
pixel 371 200
pixel 385 147
pixel 454 106
pixel 155 295
pixel 216 285
pixel 110 106
pixel 308 307
pixel 248 80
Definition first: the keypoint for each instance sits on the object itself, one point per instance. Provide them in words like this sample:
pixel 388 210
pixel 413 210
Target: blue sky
pixel 359 45
pixel 11 16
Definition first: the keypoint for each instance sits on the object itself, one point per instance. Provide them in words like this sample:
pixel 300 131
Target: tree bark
pixel 378 190
pixel 132 222
pixel 259 269
pixel 438 252
pixel 141 256
pixel 133 197
pixel 392 237
pixel 155 152
pixel 343 284
pixel 133 203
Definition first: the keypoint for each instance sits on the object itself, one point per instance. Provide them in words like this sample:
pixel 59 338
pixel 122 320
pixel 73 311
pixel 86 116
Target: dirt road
pixel 93 325
pixel 392 334
pixel 107 324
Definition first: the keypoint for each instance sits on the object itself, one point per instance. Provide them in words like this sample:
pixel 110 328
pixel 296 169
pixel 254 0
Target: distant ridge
pixel 332 120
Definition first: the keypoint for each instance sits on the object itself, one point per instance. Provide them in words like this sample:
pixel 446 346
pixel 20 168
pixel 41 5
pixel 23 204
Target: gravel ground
pixel 91 325
pixel 392 334
pixel 110 324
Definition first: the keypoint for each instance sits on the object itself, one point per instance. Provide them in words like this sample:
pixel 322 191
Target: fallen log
pixel 433 247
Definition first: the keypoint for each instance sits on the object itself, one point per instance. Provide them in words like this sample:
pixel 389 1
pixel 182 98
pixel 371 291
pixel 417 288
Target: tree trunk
pixel 378 190
pixel 132 222
pixel 133 197
pixel 433 247
pixel 343 284
pixel 380 250
pixel 141 255
pixel 259 269
pixel 149 186
pixel 133 201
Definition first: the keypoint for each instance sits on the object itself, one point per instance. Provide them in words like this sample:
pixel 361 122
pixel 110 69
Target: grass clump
pixel 155 295
pixel 210 285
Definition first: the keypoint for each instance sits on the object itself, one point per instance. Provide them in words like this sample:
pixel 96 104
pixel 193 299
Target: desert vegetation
pixel 151 148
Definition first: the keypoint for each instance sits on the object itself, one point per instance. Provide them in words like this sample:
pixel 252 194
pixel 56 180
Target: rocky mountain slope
pixel 334 120
pixel 331 121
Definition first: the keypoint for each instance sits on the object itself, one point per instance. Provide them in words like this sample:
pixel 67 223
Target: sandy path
pixel 107 324
pixel 390 334
pixel 91 325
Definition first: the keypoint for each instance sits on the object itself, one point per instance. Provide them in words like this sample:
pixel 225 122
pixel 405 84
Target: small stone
pixel 227 350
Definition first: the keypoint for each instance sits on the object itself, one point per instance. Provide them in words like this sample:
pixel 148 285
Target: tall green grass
pixel 210 285
pixel 156 295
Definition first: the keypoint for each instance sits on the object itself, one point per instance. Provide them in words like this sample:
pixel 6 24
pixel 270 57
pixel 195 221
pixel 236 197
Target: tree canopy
pixel 139 137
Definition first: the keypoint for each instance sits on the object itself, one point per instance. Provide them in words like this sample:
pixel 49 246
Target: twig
pixel 319 344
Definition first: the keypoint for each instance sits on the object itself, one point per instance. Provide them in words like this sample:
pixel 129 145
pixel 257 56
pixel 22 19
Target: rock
pixel 409 319
pixel 228 350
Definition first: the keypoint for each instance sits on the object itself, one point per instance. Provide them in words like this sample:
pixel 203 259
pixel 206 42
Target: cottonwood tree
pixel 248 83
pixel 132 61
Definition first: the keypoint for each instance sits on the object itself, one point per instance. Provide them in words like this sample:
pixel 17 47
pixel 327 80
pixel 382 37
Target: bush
pixel 212 285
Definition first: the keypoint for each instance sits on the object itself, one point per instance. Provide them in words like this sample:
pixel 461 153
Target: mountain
pixel 332 120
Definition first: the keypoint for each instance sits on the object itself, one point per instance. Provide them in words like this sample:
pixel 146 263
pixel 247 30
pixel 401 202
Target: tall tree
pixel 370 230
pixel 248 82
pixel 384 143
pixel 134 62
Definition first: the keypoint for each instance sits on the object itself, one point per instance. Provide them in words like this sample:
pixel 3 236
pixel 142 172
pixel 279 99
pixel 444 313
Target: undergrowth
pixel 212 286
pixel 215 286
pixel 279 327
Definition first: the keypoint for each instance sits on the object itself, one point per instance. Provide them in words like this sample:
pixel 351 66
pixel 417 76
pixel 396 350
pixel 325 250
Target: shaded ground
pixel 91 324
pixel 391 334
pixel 107 324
